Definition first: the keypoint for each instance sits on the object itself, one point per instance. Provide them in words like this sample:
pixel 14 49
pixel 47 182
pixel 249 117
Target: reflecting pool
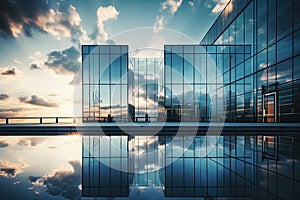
pixel 150 167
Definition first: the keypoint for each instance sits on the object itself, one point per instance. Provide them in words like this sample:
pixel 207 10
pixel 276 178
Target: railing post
pixel 74 120
pixel 41 120
pixel 6 120
pixel 57 120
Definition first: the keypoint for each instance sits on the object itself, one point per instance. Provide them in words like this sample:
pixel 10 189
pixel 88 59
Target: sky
pixel 40 43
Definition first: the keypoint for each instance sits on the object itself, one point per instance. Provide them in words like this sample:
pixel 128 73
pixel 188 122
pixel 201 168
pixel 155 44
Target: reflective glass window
pixel 284 71
pixel 284 17
pixel 177 68
pixel 284 49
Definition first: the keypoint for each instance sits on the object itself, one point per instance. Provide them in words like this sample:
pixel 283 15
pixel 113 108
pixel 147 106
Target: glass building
pixel 198 79
pixel 245 69
pixel 144 87
pixel 104 83
pixel 272 28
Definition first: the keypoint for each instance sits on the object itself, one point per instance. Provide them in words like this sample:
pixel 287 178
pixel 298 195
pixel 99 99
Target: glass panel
pixel 124 68
pixel 188 68
pixel 95 67
pixel 177 68
pixel 297 42
pixel 284 72
pixel 85 69
pixel 104 68
pixel 168 68
pixel 297 67
pixel 115 68
pixel 104 100
pixel 116 101
pixel 85 49
pixel 284 17
pixel 284 49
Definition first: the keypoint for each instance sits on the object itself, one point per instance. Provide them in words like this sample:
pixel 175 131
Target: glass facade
pixel 198 79
pixel 105 83
pixel 272 29
pixel 144 87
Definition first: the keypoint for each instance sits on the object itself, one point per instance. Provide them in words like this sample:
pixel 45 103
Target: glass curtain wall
pixel 198 80
pixel 145 90
pixel 104 81
pixel 272 28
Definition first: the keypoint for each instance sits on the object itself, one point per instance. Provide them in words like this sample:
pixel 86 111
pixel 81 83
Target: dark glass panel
pixel 284 72
pixel 284 17
pixel 297 68
pixel 284 48
pixel 297 42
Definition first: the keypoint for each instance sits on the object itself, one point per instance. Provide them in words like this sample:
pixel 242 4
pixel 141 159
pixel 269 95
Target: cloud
pixel 35 100
pixel 3 97
pixel 220 5
pixel 104 14
pixel 61 183
pixel 32 141
pixel 11 170
pixel 7 112
pixel 64 23
pixel 34 66
pixel 64 62
pixel 9 71
pixel 172 4
pixel 3 144
pixel 20 17
pixel 159 24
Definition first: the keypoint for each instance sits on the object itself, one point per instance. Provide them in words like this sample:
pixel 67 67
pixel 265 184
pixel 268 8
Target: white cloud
pixel 172 4
pixel 105 14
pixel 63 24
pixel 11 170
pixel 220 5
pixel 159 23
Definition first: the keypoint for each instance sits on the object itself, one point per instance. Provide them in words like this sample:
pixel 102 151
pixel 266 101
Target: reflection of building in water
pixel 105 166
pixel 252 167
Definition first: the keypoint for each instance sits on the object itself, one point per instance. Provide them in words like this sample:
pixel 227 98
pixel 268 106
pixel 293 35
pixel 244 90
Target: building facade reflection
pixel 234 167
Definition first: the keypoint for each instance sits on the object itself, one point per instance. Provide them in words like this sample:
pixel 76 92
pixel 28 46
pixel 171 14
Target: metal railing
pixel 36 120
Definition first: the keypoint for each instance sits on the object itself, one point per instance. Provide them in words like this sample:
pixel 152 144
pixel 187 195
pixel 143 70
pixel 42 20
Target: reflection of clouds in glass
pixel 63 183
pixel 11 170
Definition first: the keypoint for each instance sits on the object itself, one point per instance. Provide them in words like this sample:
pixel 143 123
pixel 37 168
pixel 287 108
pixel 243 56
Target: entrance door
pixel 269 107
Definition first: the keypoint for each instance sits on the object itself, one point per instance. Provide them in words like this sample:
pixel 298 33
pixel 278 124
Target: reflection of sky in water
pixel 50 167
pixel 40 167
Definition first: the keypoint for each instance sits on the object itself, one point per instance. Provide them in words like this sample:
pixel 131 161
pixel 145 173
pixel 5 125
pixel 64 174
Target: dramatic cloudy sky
pixel 41 41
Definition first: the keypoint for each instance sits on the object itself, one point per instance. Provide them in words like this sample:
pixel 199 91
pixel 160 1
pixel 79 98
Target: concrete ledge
pixel 147 129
